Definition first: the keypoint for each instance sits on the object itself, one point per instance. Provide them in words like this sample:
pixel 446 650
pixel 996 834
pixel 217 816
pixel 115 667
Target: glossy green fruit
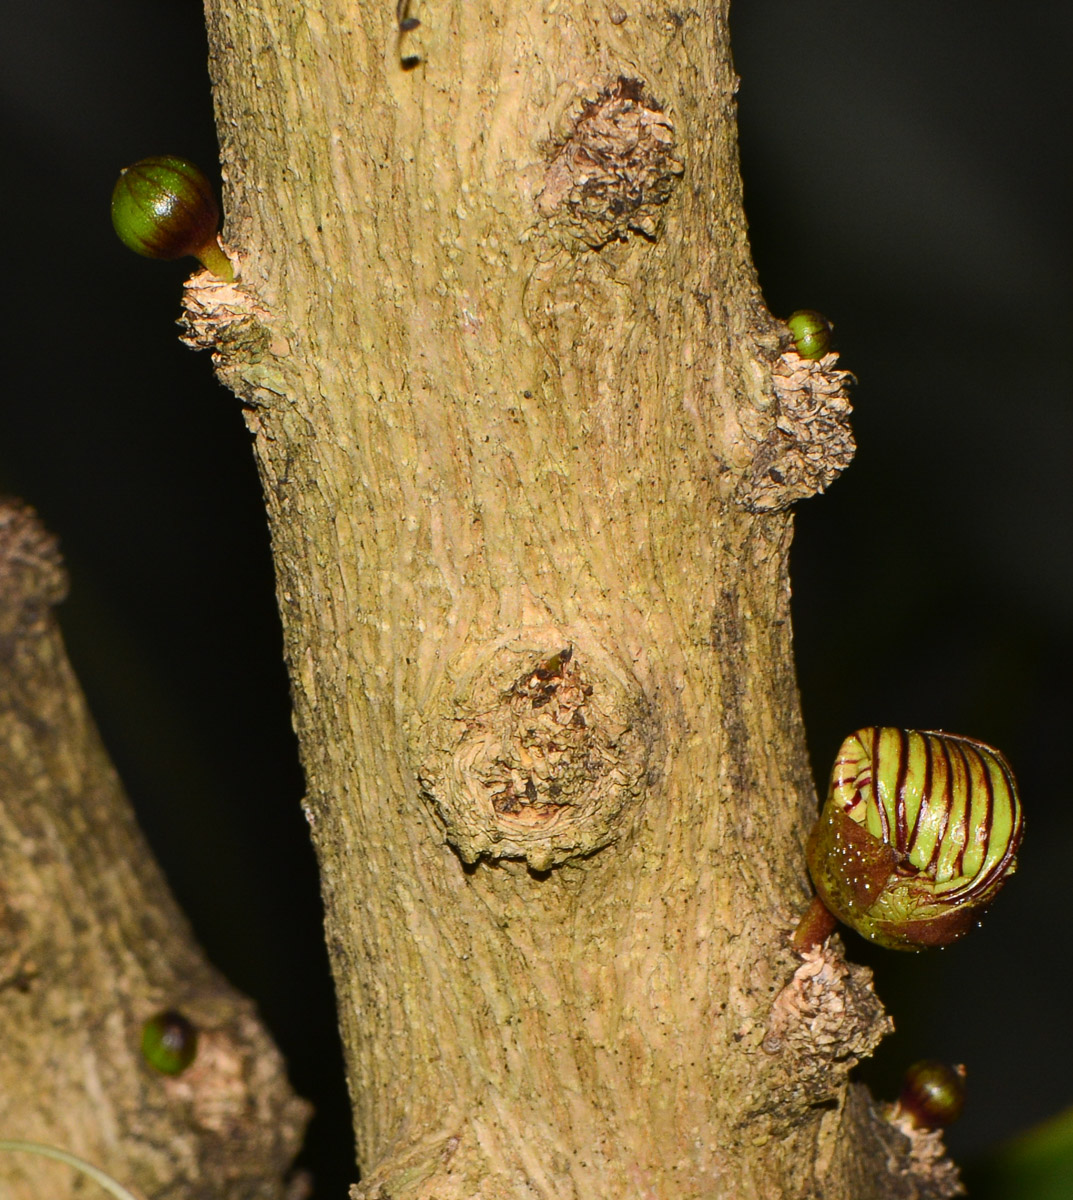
pixel 164 207
pixel 169 1042
pixel 811 332
pixel 933 1094
pixel 918 834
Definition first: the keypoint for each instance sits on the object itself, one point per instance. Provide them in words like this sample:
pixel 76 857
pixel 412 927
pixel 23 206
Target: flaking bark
pixel 512 390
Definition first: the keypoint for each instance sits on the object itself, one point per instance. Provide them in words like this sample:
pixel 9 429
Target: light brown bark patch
pixel 32 578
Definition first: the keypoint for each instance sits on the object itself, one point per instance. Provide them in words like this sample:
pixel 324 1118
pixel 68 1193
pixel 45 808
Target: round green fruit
pixel 811 332
pixel 164 207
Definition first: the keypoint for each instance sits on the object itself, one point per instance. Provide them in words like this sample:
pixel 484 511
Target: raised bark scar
pixel 616 170
pixel 547 771
pixel 548 706
pixel 810 441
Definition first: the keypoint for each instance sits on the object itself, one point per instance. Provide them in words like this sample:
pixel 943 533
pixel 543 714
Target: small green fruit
pixel 811 332
pixel 933 1094
pixel 164 207
pixel 169 1042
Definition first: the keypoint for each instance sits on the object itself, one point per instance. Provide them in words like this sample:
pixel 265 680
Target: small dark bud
pixel 933 1094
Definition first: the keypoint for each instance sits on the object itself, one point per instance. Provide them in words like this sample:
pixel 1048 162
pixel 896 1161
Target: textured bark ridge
pixel 91 945
pixel 514 401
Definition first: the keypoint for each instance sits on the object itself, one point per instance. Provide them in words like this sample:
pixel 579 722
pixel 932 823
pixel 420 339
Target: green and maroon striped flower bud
pixel 164 207
pixel 919 832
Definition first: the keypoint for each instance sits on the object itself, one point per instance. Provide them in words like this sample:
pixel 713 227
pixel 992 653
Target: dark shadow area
pixel 140 461
pixel 907 172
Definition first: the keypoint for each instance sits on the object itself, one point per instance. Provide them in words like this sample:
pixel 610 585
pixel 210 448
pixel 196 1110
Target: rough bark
pixel 528 440
pixel 92 944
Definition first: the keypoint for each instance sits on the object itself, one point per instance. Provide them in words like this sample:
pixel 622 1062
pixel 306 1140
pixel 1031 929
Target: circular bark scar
pixel 615 172
pixel 542 757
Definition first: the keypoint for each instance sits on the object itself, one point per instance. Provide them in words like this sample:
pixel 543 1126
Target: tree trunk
pixel 92 945
pixel 528 440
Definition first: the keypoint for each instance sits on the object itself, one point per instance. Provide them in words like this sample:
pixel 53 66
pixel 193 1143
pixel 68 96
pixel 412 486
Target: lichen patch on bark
pixel 810 441
pixel 541 759
pixel 616 170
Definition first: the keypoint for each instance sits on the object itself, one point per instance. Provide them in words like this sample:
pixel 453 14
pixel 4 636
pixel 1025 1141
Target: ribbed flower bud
pixel 919 832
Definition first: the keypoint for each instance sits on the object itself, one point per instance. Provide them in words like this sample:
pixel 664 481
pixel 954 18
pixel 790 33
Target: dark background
pixel 907 172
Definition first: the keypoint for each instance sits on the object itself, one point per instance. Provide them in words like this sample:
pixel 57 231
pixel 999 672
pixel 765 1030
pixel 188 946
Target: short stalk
pixel 814 928
pixel 213 259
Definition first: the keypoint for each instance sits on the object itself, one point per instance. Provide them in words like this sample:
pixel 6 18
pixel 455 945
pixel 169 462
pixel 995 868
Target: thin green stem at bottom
pixel 72 1160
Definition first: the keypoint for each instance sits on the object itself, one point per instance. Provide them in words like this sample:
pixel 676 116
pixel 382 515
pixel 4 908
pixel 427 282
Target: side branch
pixel 92 945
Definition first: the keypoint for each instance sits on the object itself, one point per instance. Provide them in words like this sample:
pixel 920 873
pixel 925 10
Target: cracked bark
pixel 92 944
pixel 514 392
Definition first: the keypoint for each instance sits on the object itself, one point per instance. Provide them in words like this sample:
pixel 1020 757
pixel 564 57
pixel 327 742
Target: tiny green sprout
pixel 110 1185
pixel 164 207
pixel 169 1042
pixel 933 1094
pixel 811 332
